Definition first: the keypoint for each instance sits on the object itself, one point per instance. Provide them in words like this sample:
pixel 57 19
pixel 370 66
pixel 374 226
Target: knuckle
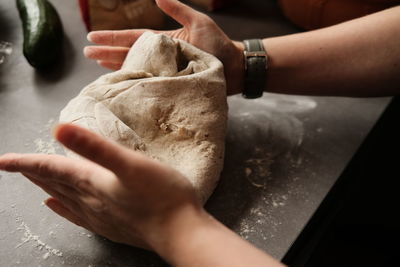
pixel 203 19
pixel 42 167
pixel 95 205
pixel 13 164
pixel 82 185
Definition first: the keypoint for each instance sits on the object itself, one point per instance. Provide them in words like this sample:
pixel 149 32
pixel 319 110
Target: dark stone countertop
pixel 283 153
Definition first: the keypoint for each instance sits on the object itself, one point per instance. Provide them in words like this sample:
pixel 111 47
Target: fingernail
pixel 86 51
pixel 89 37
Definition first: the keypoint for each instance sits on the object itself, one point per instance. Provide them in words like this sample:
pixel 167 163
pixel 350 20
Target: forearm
pixel 199 240
pixel 357 58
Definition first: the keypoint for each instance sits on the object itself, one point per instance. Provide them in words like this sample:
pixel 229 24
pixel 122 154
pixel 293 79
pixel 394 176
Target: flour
pixel 39 244
pixel 247 171
pixel 285 103
pixel 258 170
pixel 267 133
pixel 52 234
pixel 46 144
pixel 263 141
pixel 85 234
pixel 45 147
pixel 269 122
pixel 245 230
pixel 48 126
pixel 6 49
pixel 250 230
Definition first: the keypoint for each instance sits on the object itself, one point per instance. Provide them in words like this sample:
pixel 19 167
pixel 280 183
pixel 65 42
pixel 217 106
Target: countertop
pixel 283 153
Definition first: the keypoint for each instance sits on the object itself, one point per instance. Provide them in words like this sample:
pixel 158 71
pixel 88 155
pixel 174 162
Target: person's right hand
pixel 198 29
pixel 132 199
pixel 115 192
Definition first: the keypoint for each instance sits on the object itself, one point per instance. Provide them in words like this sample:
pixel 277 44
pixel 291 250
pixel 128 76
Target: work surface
pixel 283 153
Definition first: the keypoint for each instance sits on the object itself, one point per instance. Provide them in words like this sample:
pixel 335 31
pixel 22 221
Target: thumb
pixel 178 11
pixel 97 149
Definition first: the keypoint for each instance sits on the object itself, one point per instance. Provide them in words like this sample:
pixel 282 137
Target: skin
pixel 355 58
pixel 131 199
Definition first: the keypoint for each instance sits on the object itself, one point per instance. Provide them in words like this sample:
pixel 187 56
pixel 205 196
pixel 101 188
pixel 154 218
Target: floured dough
pixel 167 101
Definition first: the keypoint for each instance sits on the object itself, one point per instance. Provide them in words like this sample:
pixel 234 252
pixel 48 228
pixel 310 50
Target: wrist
pixel 234 68
pixel 174 231
pixel 189 239
pixel 195 238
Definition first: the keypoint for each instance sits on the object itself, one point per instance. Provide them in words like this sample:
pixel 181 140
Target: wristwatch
pixel 255 64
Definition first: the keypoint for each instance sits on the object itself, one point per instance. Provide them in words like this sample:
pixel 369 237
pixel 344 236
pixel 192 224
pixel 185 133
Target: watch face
pixel 108 4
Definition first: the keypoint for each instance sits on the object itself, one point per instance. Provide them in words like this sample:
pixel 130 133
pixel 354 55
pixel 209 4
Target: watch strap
pixel 255 58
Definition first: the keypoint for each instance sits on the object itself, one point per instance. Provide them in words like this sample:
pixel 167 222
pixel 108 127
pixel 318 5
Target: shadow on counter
pixel 61 68
pixel 356 224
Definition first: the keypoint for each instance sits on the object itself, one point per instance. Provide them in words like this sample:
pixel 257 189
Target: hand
pixel 198 29
pixel 131 199
pixel 117 193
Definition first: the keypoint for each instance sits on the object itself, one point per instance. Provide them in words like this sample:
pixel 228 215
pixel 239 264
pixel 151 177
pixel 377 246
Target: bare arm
pixel 206 242
pixel 356 58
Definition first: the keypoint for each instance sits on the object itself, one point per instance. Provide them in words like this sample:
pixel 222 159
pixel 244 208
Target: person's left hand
pixel 197 29
pixel 117 193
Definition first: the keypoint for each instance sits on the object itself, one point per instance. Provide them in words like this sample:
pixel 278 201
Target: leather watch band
pixel 255 58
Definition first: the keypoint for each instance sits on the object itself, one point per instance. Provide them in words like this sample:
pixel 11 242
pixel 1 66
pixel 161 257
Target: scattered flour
pixel 39 244
pixel 248 171
pixel 85 234
pixel 245 230
pixel 52 234
pixel 46 145
pixel 258 170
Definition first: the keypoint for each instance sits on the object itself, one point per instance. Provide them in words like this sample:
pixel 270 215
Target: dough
pixel 167 101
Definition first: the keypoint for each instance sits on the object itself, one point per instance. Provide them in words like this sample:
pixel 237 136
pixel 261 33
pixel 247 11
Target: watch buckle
pixel 255 54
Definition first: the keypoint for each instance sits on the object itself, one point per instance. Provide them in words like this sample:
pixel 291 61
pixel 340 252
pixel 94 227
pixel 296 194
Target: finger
pixel 106 53
pixel 56 175
pixel 178 11
pixel 50 187
pixel 75 199
pixel 51 167
pixel 73 192
pixel 58 207
pixel 109 65
pixel 5 162
pixel 61 194
pixel 72 176
pixel 110 155
pixel 124 38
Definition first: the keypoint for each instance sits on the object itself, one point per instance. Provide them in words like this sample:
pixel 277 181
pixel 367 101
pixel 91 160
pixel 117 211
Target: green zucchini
pixel 43 32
